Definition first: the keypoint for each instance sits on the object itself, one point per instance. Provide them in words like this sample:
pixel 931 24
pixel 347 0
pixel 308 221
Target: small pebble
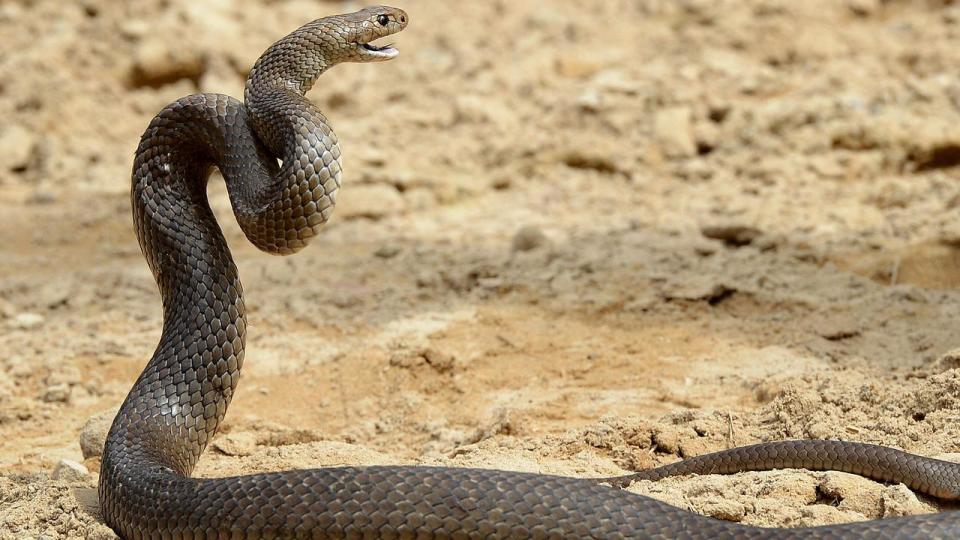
pixel 93 434
pixel 134 29
pixel 439 361
pixel 387 252
pixel 673 129
pixel 590 101
pixel 529 238
pixel 7 310
pixel 899 501
pixel 27 321
pixel 69 471
pixel 726 510
pixel 156 63
pixel 863 8
pixel 667 439
pixel 17 144
pixel 236 444
pixel 57 393
pixel 41 196
pixel 733 234
pixel 10 12
pixel 373 201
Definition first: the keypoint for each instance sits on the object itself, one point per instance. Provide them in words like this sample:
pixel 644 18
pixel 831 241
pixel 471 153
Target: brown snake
pixel 178 401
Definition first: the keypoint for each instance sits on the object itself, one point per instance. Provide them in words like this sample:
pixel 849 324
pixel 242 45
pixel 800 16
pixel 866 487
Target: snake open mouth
pixel 384 52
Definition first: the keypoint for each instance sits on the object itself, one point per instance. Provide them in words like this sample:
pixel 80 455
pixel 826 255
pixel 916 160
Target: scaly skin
pixel 178 401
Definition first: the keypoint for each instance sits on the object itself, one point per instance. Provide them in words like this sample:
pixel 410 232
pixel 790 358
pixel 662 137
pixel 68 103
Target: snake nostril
pixel 403 19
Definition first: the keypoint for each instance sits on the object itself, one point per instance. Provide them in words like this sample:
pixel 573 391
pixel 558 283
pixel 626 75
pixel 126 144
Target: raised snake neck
pixel 182 395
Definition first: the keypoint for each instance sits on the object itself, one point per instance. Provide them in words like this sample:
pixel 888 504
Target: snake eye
pixel 383 20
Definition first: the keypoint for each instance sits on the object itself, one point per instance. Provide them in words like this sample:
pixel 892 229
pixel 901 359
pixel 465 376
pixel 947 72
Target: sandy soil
pixel 582 239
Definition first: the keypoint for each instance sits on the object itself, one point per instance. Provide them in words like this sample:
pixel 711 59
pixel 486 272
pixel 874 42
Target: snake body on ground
pixel 176 404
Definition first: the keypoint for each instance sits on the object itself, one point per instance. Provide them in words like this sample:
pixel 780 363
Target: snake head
pixel 296 60
pixel 369 24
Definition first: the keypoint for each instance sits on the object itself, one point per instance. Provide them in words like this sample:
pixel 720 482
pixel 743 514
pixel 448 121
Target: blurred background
pixel 576 237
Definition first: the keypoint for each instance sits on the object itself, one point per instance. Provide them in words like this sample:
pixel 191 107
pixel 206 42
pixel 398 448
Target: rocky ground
pixel 579 240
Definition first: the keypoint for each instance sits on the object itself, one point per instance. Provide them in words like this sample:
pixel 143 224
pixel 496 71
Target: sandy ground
pixel 583 239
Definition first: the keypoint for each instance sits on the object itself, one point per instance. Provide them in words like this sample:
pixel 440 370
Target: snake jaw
pixel 370 52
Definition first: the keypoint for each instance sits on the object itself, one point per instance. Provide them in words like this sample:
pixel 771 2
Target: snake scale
pixel 281 162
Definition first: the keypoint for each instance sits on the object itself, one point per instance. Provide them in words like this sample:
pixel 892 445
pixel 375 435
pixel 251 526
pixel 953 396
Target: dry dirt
pixel 575 237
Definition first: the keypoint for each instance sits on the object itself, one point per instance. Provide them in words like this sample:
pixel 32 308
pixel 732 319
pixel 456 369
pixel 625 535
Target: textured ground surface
pixel 580 239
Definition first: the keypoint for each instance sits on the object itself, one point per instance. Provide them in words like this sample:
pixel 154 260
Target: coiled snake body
pixel 180 398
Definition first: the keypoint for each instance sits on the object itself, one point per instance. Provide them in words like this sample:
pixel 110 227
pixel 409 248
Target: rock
pixel 707 137
pixel 450 187
pixel 65 374
pixel 579 66
pixel 387 251
pixel 10 12
pixel 7 309
pixel 156 63
pixel 899 501
pixel 373 201
pixel 949 360
pixel 345 299
pixel 57 393
pixel 282 436
pixel 134 28
pixel 372 156
pixel 420 198
pixel 694 170
pixel 53 295
pixel 602 159
pixel 236 444
pixel 406 359
pixel 615 81
pixel 951 15
pixel 936 155
pixel 851 492
pixel 863 8
pixel 476 109
pixel 69 471
pixel 735 234
pixel 529 238
pixel 93 434
pixel 41 196
pixel 724 509
pixel 28 321
pixel 837 327
pixel 666 439
pixel 6 390
pixel 502 423
pixel 427 278
pixel 20 368
pixel 590 100
pixel 916 142
pixel 823 514
pixel 702 288
pixel 17 145
pixel 673 130
pixel 440 361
